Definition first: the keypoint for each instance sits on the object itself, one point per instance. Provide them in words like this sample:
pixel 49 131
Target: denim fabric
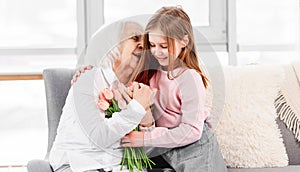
pixel 201 156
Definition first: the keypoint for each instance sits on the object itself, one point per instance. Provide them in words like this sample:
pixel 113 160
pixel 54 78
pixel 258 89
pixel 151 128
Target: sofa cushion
pixel 247 131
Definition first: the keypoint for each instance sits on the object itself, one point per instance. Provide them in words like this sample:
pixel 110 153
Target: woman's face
pixel 159 47
pixel 131 47
pixel 130 52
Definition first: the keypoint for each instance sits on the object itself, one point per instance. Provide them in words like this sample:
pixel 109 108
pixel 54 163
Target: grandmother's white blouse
pixel 85 139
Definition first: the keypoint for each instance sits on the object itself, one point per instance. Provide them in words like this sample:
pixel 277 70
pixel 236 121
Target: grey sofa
pixel 57 85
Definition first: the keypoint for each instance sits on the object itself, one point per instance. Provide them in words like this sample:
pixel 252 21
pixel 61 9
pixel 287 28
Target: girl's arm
pixel 147 121
pixel 193 117
pixel 192 96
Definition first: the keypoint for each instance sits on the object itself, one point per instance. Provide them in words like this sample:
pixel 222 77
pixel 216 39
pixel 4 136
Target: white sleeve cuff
pixel 136 106
pixel 134 112
pixel 147 129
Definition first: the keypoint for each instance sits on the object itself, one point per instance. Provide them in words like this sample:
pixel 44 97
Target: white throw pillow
pixel 247 131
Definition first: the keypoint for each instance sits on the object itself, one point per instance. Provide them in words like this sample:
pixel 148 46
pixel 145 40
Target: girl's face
pixel 159 47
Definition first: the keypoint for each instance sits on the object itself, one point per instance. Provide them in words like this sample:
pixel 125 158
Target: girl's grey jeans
pixel 201 156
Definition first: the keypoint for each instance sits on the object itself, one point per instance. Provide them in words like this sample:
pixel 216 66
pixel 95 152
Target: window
pixel 116 9
pixel 270 34
pixel 273 23
pixel 38 24
pixel 23 125
pixel 34 35
pixel 208 16
pixel 36 31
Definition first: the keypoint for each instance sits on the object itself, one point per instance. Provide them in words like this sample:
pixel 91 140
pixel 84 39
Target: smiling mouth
pixel 161 58
pixel 137 55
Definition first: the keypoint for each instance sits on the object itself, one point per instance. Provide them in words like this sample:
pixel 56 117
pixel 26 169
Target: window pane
pixel 223 58
pixel 38 24
pixel 13 64
pixel 198 10
pixel 267 22
pixel 213 58
pixel 23 124
pixel 267 57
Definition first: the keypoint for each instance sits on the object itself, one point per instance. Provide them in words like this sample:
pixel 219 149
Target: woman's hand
pixel 79 72
pixel 123 95
pixel 133 139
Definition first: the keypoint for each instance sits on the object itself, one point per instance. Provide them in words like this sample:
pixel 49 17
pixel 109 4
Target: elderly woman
pixel 86 140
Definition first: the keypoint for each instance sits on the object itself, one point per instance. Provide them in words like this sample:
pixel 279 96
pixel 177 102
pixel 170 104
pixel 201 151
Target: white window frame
pixel 91 17
pixel 216 31
pixel 32 51
pixel 37 51
pixel 221 33
pixel 232 33
pixel 234 47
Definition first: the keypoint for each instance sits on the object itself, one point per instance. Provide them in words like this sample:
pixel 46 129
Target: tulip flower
pixel 103 104
pixel 108 94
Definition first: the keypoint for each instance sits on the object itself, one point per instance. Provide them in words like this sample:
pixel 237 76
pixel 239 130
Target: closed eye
pixel 136 38
pixel 161 45
pixel 164 46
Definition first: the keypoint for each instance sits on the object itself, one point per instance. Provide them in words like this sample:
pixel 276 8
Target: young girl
pixel 170 64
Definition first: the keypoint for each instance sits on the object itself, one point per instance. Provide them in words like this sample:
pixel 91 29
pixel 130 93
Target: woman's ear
pixel 185 41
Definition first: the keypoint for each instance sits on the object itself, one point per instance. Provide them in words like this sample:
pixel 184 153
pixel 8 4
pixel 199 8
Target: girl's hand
pixel 143 94
pixel 79 71
pixel 147 120
pixel 133 139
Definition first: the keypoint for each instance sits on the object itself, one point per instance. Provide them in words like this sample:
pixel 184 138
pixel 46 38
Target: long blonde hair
pixel 174 23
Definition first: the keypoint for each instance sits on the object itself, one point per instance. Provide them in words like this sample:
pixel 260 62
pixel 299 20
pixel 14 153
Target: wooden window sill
pixel 6 77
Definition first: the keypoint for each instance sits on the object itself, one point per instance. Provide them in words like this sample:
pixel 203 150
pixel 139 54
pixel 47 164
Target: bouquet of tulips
pixel 133 157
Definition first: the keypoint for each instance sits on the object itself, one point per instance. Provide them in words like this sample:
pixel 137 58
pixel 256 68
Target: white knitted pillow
pixel 247 131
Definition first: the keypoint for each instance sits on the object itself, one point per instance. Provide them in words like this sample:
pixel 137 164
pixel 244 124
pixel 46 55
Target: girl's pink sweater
pixel 179 109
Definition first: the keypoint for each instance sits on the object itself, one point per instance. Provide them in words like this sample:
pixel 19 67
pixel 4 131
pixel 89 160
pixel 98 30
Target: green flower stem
pixel 144 159
pixel 123 160
pixel 115 106
pixel 132 157
pixel 139 158
pixel 136 157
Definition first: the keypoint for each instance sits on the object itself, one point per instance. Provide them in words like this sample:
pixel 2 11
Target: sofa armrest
pixel 39 166
pixel 57 85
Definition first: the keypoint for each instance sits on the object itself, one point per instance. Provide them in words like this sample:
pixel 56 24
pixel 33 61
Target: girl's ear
pixel 185 41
